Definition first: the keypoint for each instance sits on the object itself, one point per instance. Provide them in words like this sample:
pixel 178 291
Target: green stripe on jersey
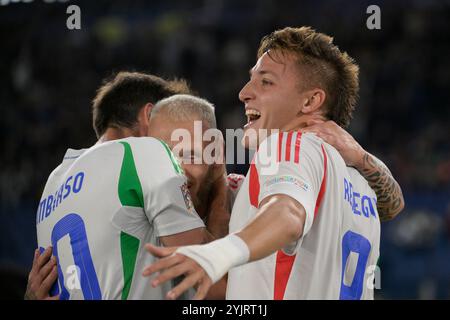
pixel 129 247
pixel 175 163
pixel 130 190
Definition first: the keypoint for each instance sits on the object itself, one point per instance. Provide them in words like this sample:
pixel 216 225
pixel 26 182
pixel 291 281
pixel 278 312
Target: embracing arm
pixel 286 218
pixel 389 194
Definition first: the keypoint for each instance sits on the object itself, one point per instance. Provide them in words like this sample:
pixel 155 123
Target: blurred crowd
pixel 49 75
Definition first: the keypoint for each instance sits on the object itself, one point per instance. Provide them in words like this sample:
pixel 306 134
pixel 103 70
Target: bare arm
pixel 194 236
pixel 286 218
pixel 389 194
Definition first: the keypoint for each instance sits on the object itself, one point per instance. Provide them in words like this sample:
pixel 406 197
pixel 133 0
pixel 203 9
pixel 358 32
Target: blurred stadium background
pixel 49 75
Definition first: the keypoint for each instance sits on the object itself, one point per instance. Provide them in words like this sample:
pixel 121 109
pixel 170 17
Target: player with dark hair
pixel 102 204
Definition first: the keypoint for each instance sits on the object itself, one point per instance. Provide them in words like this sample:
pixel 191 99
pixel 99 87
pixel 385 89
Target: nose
pixel 246 93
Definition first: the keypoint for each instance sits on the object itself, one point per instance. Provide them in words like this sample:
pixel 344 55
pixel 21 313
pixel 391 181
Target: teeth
pixel 251 112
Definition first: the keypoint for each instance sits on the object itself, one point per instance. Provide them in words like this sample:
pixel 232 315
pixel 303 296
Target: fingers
pixel 47 268
pixel 315 117
pixel 34 265
pixel 159 252
pixel 50 279
pixel 314 122
pixel 328 126
pixel 203 289
pixel 163 264
pixel 169 274
pixel 53 298
pixel 187 283
pixel 312 129
pixel 317 126
pixel 328 138
pixel 325 131
pixel 317 130
pixel 44 257
pixel 35 258
pixel 324 135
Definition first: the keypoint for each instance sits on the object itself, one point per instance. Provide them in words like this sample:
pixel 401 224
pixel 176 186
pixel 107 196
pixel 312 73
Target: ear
pixel 148 110
pixel 312 100
pixel 144 118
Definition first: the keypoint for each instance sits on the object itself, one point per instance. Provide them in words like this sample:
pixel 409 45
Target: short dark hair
pixel 323 65
pixel 119 100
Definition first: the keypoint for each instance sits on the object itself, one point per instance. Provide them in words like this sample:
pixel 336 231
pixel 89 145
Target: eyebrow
pixel 262 72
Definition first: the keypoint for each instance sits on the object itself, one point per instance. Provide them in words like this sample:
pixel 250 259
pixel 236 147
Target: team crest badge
pixel 187 198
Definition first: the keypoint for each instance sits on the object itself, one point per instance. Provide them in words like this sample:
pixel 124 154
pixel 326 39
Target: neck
pixel 295 125
pixel 302 121
pixel 116 133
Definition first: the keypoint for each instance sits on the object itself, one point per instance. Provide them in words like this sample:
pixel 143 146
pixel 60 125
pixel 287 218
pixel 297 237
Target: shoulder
pixel 146 147
pixel 140 142
pixel 287 146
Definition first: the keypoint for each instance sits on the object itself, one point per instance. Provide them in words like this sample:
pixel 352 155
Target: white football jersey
pixel 337 254
pixel 99 208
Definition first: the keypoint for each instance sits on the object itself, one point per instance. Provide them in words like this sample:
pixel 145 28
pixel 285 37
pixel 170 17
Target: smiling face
pixel 272 97
pixel 199 175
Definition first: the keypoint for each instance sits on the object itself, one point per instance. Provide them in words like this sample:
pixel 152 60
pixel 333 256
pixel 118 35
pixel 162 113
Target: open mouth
pixel 252 116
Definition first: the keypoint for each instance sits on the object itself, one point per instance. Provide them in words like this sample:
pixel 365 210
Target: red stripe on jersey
pixel 298 140
pixel 323 184
pixel 253 188
pixel 288 146
pixel 283 270
pixel 280 145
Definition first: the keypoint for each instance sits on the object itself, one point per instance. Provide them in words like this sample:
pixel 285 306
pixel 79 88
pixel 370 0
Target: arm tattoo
pixel 389 194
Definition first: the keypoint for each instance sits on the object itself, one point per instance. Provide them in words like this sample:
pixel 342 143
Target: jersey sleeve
pixel 292 164
pixel 167 201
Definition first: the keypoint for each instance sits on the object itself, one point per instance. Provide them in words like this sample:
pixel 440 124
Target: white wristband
pixel 219 256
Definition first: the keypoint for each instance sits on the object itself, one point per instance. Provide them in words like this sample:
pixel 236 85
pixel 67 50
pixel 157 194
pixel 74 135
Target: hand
pixel 219 208
pixel 42 276
pixel 345 144
pixel 173 265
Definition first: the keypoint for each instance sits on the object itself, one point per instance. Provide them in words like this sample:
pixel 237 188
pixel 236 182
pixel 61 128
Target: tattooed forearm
pixel 389 194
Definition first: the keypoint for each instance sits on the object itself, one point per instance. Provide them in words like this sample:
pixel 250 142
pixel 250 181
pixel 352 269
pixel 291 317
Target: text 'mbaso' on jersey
pixel 338 251
pixel 99 208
